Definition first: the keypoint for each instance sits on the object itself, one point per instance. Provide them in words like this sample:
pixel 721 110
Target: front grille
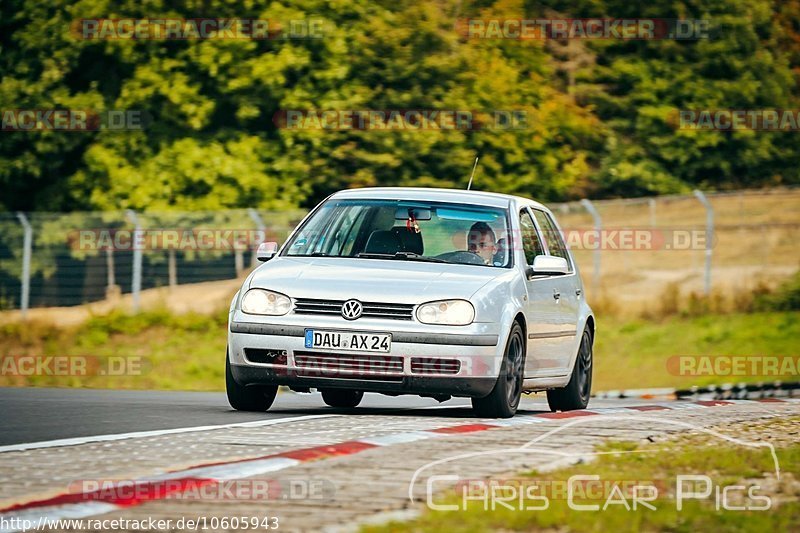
pixel 429 365
pixel 353 366
pixel 309 306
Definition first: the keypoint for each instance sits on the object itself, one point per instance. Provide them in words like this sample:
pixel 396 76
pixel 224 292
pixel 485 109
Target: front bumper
pixel 424 362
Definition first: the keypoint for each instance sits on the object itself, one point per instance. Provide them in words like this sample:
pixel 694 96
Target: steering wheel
pixel 460 256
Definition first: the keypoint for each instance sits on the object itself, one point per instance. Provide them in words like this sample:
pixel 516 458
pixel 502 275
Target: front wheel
pixel 576 394
pixel 342 397
pixel 503 401
pixel 253 398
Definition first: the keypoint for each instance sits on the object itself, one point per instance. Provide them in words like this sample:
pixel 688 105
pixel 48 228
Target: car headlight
pixel 262 302
pixel 448 312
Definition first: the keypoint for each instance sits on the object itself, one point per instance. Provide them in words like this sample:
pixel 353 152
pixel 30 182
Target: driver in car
pixel 481 240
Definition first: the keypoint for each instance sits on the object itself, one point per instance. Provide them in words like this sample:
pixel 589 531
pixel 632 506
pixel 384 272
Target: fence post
pixel 652 205
pixel 136 282
pixel 598 226
pixel 709 236
pixel 27 244
pixel 259 222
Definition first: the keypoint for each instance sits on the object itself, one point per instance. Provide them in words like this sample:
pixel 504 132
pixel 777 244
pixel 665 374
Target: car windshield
pixel 405 230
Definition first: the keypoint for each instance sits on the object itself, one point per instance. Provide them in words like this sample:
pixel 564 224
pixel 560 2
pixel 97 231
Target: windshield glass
pixel 405 230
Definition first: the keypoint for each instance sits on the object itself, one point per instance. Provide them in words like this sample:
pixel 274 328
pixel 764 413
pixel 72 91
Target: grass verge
pixel 655 469
pixel 162 350
pixel 637 354
pixel 185 352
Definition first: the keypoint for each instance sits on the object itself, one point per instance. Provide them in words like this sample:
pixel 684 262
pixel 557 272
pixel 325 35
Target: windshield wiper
pixel 406 256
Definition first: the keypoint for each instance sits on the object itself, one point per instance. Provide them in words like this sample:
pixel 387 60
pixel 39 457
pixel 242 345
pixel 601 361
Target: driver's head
pixel 481 240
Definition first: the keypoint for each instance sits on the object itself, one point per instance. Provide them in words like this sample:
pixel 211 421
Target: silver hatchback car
pixel 430 292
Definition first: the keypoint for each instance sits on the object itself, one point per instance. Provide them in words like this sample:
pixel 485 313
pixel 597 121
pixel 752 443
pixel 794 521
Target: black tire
pixel 344 398
pixel 579 389
pixel 503 401
pixel 253 398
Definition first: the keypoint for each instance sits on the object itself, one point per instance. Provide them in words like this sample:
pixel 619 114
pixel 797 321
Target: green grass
pixel 187 351
pixel 635 354
pixel 177 352
pixel 657 465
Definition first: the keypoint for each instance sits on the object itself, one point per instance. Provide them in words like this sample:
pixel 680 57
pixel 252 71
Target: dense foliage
pixel 601 113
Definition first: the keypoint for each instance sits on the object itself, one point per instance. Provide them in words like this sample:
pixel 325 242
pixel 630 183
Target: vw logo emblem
pixel 352 309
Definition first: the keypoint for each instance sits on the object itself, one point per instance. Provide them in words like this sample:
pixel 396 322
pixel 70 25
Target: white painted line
pixel 245 469
pixel 155 433
pixel 519 420
pixel 400 438
pixel 610 410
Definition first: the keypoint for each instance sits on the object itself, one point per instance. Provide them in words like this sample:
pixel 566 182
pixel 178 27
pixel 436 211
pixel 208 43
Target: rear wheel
pixel 503 401
pixel 577 392
pixel 341 397
pixel 253 398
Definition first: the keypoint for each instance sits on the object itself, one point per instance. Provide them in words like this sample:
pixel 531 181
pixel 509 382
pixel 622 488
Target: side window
pixel 530 239
pixel 555 242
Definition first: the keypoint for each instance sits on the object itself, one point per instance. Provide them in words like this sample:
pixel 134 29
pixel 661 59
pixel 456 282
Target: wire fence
pixel 717 242
pixel 54 260
pixel 627 246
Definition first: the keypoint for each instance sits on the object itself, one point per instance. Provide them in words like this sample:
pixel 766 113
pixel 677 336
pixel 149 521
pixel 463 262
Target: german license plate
pixel 349 341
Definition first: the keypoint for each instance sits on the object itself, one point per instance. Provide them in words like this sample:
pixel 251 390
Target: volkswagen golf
pixel 431 292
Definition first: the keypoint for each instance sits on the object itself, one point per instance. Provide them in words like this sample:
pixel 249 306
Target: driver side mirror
pixel 548 265
pixel 266 251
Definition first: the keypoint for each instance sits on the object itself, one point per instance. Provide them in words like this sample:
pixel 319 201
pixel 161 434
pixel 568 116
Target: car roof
pixel 436 195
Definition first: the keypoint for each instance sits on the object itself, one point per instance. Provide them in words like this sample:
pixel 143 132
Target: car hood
pixel 371 280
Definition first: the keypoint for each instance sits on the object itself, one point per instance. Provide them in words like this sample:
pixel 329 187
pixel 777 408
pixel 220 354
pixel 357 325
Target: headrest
pixel 397 239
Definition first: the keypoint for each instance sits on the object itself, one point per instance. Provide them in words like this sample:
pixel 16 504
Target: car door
pixel 567 291
pixel 544 346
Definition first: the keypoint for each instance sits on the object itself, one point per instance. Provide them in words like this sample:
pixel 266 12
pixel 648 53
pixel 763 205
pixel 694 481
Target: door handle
pixel 556 294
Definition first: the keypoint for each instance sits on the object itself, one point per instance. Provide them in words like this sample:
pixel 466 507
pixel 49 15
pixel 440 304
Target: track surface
pixel 39 414
pixel 369 461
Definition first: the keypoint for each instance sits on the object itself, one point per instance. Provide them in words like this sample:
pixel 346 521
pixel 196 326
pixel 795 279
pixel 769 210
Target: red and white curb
pixel 90 503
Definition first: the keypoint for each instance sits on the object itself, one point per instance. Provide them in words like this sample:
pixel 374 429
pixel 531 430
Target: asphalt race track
pixel 32 415
pixel 357 466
